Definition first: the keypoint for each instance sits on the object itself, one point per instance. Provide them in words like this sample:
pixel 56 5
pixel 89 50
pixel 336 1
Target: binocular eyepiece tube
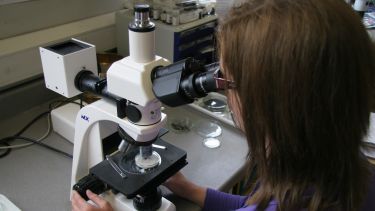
pixel 182 82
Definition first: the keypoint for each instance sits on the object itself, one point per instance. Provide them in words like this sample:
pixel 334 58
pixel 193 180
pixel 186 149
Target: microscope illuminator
pixel 63 61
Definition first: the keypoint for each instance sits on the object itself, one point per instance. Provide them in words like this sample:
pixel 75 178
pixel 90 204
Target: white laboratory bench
pixel 35 178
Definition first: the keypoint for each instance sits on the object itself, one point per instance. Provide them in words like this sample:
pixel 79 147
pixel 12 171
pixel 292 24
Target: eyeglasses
pixel 222 83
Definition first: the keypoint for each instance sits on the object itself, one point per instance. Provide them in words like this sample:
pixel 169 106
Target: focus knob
pixel 150 201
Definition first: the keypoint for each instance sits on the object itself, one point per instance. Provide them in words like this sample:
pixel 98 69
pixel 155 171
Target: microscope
pixel 132 97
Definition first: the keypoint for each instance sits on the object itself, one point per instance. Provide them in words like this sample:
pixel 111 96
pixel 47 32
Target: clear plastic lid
pixel 207 129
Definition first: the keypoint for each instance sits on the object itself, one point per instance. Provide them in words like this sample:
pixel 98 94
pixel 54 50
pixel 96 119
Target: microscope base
pixel 120 202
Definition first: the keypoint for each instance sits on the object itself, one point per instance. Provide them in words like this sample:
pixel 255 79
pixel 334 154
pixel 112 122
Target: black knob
pixel 89 182
pixel 133 114
pixel 149 201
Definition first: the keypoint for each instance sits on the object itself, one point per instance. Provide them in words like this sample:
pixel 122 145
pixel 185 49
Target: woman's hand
pixel 79 204
pixel 177 184
pixel 184 188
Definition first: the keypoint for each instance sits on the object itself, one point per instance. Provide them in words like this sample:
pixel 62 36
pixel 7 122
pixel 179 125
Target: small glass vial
pixel 156 14
pixel 175 20
pixel 168 18
pixel 163 16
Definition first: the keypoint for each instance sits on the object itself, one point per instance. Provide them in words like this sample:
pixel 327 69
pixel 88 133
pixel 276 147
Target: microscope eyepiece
pixel 182 82
pixel 199 85
pixel 141 21
pixel 141 8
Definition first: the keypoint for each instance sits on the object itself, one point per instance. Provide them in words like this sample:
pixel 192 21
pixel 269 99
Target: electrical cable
pixel 80 101
pixel 2 141
pixel 61 102
pixel 7 151
pixel 31 123
pixel 40 144
pixel 38 140
pixel 5 141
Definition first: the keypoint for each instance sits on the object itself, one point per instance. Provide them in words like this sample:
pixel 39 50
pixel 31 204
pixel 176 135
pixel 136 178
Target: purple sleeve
pixel 216 200
pixel 369 203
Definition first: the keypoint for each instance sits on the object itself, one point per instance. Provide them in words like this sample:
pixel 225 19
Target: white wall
pixel 27 25
pixel 24 17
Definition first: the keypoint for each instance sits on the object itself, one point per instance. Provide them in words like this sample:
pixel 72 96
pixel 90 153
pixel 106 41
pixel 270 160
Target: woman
pixel 303 71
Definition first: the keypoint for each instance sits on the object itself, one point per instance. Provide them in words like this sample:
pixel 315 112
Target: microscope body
pixel 127 80
pixel 131 108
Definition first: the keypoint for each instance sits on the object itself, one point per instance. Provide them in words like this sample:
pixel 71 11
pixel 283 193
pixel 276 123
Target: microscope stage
pixel 172 160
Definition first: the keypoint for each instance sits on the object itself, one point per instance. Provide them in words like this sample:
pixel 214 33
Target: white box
pixel 63 120
pixel 63 61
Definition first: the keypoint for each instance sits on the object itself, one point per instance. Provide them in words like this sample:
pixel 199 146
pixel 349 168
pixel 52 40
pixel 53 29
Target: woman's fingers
pixel 78 202
pixel 98 200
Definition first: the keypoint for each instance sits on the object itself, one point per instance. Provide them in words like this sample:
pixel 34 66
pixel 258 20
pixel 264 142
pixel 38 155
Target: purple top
pixel 216 200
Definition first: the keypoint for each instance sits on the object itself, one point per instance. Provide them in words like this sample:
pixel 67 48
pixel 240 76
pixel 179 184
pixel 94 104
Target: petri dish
pixel 207 129
pixel 147 163
pixel 215 105
pixel 133 163
pixel 211 143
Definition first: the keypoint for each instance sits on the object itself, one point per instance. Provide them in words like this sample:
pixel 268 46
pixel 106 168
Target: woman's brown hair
pixel 303 70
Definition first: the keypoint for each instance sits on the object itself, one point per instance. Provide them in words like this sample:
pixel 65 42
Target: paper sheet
pixel 371 132
pixel 6 204
pixel 370 151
